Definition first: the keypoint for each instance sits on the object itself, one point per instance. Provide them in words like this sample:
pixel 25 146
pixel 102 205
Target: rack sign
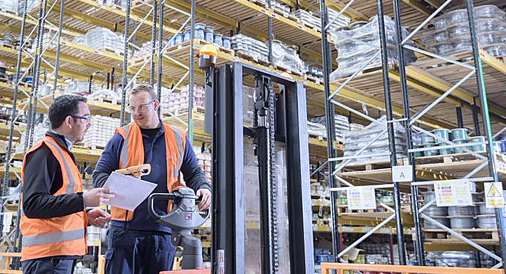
pixel 453 193
pixel 362 197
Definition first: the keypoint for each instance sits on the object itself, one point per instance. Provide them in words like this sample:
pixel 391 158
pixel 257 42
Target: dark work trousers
pixel 138 252
pixel 49 265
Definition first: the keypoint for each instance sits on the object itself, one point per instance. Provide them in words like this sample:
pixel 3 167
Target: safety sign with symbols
pixel 494 195
pixel 362 197
pixel 453 193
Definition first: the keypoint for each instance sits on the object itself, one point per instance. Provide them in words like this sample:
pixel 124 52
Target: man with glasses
pixel 54 217
pixel 137 244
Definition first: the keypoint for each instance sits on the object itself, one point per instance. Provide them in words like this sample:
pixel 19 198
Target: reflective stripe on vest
pixel 58 236
pixel 55 237
pixel 133 145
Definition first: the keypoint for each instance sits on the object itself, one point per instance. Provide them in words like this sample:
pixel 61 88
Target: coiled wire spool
pixel 461 211
pixel 487 221
pixel 462 222
pixel 486 211
pixel 429 225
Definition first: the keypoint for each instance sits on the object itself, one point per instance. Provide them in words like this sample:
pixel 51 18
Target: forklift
pixel 279 119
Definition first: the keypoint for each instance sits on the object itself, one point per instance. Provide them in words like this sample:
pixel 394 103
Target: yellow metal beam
pixel 355 15
pixel 435 3
pixel 33 22
pixel 439 83
pixel 418 6
pixel 493 62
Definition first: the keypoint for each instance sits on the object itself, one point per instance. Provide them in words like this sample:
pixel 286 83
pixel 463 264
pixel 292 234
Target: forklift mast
pixel 280 116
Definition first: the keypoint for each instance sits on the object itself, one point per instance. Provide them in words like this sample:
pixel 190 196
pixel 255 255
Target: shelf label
pixel 362 197
pixel 402 173
pixel 494 195
pixel 453 193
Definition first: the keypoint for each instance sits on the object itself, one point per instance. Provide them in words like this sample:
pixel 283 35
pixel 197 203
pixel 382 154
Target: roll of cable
pixel 3 70
pixel 462 222
pixel 461 211
pixel 487 221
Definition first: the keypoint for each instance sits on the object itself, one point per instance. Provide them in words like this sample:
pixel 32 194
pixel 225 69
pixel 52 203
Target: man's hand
pixel 98 196
pixel 97 217
pixel 206 198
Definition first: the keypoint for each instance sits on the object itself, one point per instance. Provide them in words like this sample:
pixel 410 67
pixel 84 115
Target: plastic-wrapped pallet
pixel 341 125
pixel 205 161
pixel 451 258
pixel 286 57
pixel 353 52
pixel 251 47
pixel 102 38
pixel 21 5
pixel 101 130
pixel 9 5
pixel 451 33
pixel 313 20
pixel 356 140
pixel 178 101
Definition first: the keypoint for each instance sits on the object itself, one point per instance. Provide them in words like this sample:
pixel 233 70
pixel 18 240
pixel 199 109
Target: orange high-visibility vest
pixel 132 154
pixel 56 236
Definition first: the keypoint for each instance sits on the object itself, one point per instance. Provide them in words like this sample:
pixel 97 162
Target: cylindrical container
pixel 226 42
pixel 427 139
pixel 432 152
pixel 419 153
pixel 480 147
pixel 459 149
pixel 459 134
pixel 445 151
pixel 486 211
pixel 200 30
pixel 209 34
pixel 179 39
pixel 187 34
pixel 461 211
pixel 218 39
pixel 487 221
pixel 442 134
pixel 462 222
pixel 497 147
pixel 436 211
pixel 429 196
pixel 429 225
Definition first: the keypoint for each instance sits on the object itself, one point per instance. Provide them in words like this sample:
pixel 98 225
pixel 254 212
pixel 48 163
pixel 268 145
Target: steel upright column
pixel 460 119
pixel 160 57
pixel 192 74
pixel 58 49
pixel 125 64
pixel 269 22
pixel 476 120
pixel 331 132
pixel 153 44
pixel 499 212
pixel 419 250
pixel 391 132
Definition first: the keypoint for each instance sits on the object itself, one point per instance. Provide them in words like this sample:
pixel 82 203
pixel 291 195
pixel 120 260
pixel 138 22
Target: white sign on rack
pixel 453 193
pixel 494 195
pixel 402 173
pixel 362 197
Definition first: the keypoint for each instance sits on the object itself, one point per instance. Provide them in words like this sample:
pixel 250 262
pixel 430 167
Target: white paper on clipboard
pixel 130 191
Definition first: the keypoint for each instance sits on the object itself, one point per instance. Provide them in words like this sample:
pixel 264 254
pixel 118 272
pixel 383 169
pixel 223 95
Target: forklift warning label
pixel 361 197
pixel 494 195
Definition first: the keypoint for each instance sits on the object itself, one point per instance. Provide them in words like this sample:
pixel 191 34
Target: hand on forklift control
pixel 98 196
pixel 206 198
pixel 97 217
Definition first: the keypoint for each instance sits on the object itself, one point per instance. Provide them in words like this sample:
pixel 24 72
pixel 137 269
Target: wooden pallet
pixel 287 70
pixel 113 51
pixel 373 165
pixel 103 99
pixel 450 158
pixel 313 79
pixel 286 15
pixel 259 3
pixel 435 235
pixel 138 62
pixel 251 58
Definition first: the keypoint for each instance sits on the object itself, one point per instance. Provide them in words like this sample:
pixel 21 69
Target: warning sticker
pixel 453 193
pixel 494 195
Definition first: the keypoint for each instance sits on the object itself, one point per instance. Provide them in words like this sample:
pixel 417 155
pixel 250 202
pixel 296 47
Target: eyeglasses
pixel 141 107
pixel 85 118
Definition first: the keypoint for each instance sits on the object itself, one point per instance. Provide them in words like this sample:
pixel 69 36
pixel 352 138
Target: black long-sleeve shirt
pixel 43 178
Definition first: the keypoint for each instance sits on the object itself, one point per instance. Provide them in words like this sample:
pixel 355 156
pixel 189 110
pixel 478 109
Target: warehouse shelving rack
pixel 434 82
